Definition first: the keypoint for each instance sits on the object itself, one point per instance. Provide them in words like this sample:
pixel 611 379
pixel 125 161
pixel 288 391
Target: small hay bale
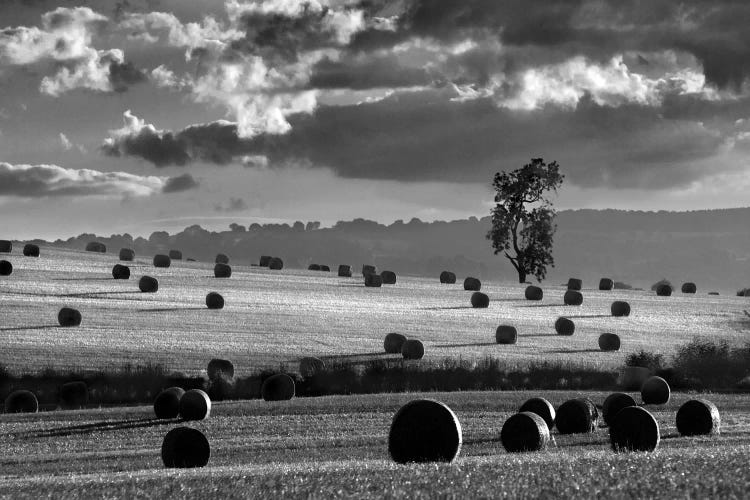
pixel 147 284
pixel 634 429
pixel 698 417
pixel 565 326
pixel 265 260
pixel 533 293
pixel 412 349
pixel 21 401
pixel 120 272
pixel 313 267
pixel 389 277
pixel 506 334
pixel 6 246
pixel 325 269
pixel 127 254
pixel 220 368
pixel 525 431
pixel 664 290
pixel 480 300
pixel 161 260
pixel 373 280
pixel 655 391
pixel 222 271
pixel 393 343
pixel 368 269
pixel 167 402
pixel 575 284
pixel 424 430
pixel 276 264
pixel 69 317
pixel 195 405
pixel 689 287
pixel 214 300
pixel 345 271
pixel 541 407
pixel 31 250
pixel 633 377
pixel 620 308
pixel 310 366
pixel 576 416
pixel 472 284
pixel 6 268
pixel 73 395
pixel 96 246
pixel 175 255
pixel 279 387
pixel 221 259
pixel 614 403
pixel 447 277
pixel 185 448
pixel 609 342
pixel 573 298
pixel 606 284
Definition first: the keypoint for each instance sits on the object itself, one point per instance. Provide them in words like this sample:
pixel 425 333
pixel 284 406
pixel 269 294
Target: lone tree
pixel 523 219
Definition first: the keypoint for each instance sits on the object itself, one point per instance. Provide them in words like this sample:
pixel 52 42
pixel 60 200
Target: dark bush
pixel 73 395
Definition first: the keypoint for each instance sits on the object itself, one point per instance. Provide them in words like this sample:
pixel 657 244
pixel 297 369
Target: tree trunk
pixel 521 276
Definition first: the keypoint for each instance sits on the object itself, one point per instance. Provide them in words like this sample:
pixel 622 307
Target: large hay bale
pixel 634 429
pixel 214 300
pixel 606 284
pixel 221 259
pixel 368 269
pixel 31 250
pixel 313 267
pixel 69 317
pixel 167 402
pixel 175 255
pixel 573 298
pixel 412 349
pixel 73 395
pixel 447 277
pixel 185 448
pixel 345 271
pixel 575 284
pixel 689 287
pixel 279 387
pixel 424 430
pixel 744 292
pixel 310 366
pixel 6 268
pixel 541 407
pixel 609 342
pixel 195 405
pixel 576 416
pixel 614 403
pixel 664 290
pixel 393 343
pixel 525 431
pixel 389 277
pixel 120 272
pixel 324 268
pixel 620 308
pixel 373 280
pixel 506 334
pixel 472 284
pixel 633 377
pixel 265 260
pixel 127 254
pixel 147 284
pixel 533 293
pixel 96 246
pixel 161 260
pixel 220 368
pixel 662 281
pixel 222 270
pixel 698 417
pixel 480 300
pixel 276 264
pixel 6 246
pixel 655 391
pixel 21 401
pixel 565 326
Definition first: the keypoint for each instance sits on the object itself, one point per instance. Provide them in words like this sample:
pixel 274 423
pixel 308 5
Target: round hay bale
pixel 345 271
pixel 689 288
pixel 614 403
pixel 541 407
pixel 575 284
pixel 279 387
pixel 147 284
pixel 69 317
pixel 565 326
pixel 276 264
pixel 698 417
pixel 221 259
pixel 21 401
pixel 185 448
pixel 606 284
pixel 633 377
pixel 167 402
pixel 368 269
pixel 310 366
pixel 424 430
pixel 533 293
pixel 576 416
pixel 6 246
pixel 313 267
pixel 31 250
pixel 220 368
pixel 506 334
pixel 480 300
pixel 96 246
pixel 73 395
pixel 325 269
pixel 525 431
pixel 655 391
pixel 609 342
pixel 412 349
pixel 265 260
pixel 573 298
pixel 620 308
pixel 634 429
pixel 127 254
pixel 195 405
pixel 447 277
pixel 394 342
pixel 472 284
pixel 120 272
pixel 222 270
pixel 389 277
pixel 663 290
pixel 6 268
pixel 214 300
pixel 175 255
pixel 161 260
pixel 373 280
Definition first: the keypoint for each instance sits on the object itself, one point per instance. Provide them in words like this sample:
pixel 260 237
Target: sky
pixel 141 115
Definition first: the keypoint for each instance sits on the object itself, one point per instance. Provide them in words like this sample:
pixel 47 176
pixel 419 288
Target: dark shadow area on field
pixel 478 344
pixel 76 295
pixel 546 305
pixel 355 356
pixel 83 279
pixel 538 335
pixel 355 285
pixel 596 442
pixel 19 328
pixel 482 440
pixel 591 316
pixel 572 351
pixel 114 425
pixel 444 308
pixel 173 309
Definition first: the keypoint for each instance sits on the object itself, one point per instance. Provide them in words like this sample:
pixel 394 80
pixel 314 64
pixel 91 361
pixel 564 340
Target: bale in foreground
pixel 222 270
pixel 6 268
pixel 480 300
pixel 310 366
pixel 577 416
pixel 447 277
pixel 541 407
pixel 609 342
pixel 655 391
pixel 424 430
pixel 620 308
pixel 573 298
pixel 614 403
pixel 73 395
pixel 167 402
pixel 69 317
pixel 345 271
pixel 161 260
pixel 195 405
pixel 412 349
pixel 147 284
pixel 31 250
pixel 472 284
pixel 120 272
pixel 565 326
pixel 698 417
pixel 533 293
pixel 506 334
pixel 214 300
pixel 393 343
pixel 634 429
pixel 279 387
pixel 127 254
pixel 185 448
pixel 524 431
pixel 21 401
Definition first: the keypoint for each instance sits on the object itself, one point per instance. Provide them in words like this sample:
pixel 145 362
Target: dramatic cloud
pixel 180 183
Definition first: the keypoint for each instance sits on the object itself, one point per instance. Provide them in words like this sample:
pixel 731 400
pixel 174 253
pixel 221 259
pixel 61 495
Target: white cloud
pixel 65 142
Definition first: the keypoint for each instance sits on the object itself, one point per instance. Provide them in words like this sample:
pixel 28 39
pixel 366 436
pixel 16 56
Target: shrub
pixel 309 366
pixel 220 368
pixel 565 326
pixel 412 349
pixel 541 407
pixel 389 277
pixel 167 402
pixel 279 387
pixel 744 292
pixel 506 334
pixel 645 359
pixel 195 405
pixel 31 250
pixel 472 284
pixel 161 260
pixel 606 284
pixel 689 288
pixel 214 301
pixel 222 271
pixel 184 448
pixel 96 246
pixel 393 343
pixel 655 391
pixel 68 317
pixel 525 431
pixel 609 342
pixel 620 308
pixel 345 271
pixel 712 363
pixel 575 284
pixel 21 401
pixel 6 268
pixel 619 285
pixel 73 395
pixel 447 277
pixel 127 254
pixel 698 417
pixel 633 377
pixel 147 284
pixel 634 429
pixel 480 300
pixel 120 272
pixel 533 293
pixel 573 298
pixel 614 403
pixel 175 255
pixel 576 416
pixel 424 430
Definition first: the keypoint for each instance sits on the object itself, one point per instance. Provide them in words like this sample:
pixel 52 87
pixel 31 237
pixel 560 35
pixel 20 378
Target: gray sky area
pixel 138 115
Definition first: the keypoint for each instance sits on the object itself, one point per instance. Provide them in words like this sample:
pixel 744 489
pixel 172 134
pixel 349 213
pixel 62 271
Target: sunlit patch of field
pixel 274 317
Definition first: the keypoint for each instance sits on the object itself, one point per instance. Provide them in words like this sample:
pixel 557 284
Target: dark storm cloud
pixel 123 75
pixel 180 183
pixel 374 72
